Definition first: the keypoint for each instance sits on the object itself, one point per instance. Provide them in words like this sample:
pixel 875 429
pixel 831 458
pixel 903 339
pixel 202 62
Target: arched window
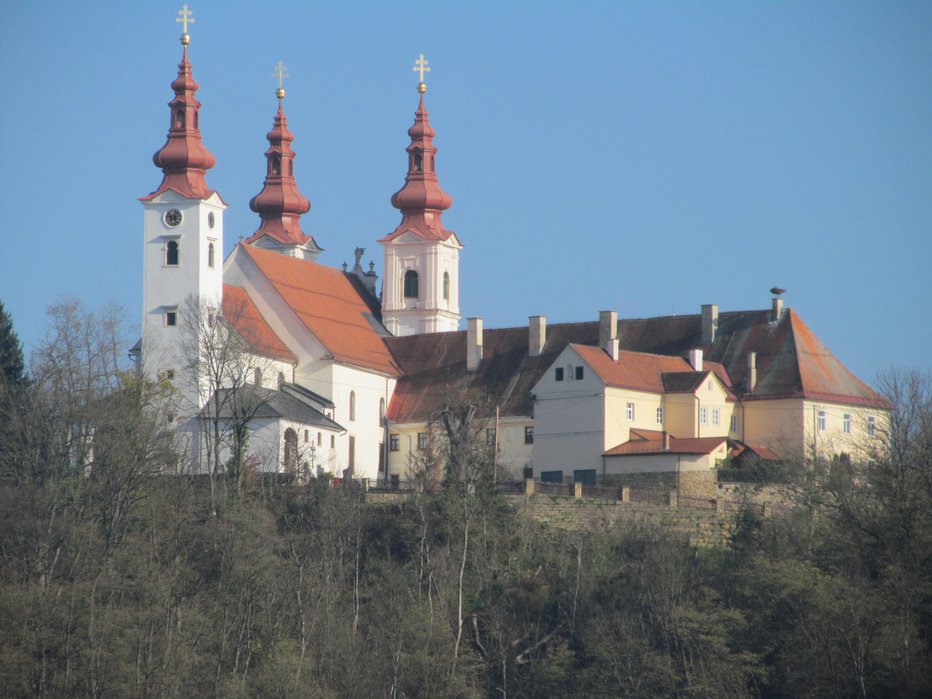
pixel 410 284
pixel 418 162
pixel 179 119
pixel 291 451
pixel 257 374
pixel 276 166
pixel 281 382
pixel 352 405
pixel 171 253
pixel 446 286
pixel 381 411
pixel 210 255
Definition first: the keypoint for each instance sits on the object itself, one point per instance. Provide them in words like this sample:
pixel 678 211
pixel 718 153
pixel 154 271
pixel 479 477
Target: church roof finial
pixel 421 200
pixel 184 159
pixel 280 204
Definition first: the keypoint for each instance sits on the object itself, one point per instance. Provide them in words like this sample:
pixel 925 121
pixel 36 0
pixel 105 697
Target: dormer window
pixel 411 284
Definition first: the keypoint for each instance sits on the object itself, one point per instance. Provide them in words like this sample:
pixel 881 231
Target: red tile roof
pixel 634 370
pixel 240 311
pixel 690 445
pixel 332 305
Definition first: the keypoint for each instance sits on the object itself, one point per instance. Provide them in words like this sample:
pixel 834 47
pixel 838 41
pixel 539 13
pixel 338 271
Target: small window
pixel 352 405
pixel 211 219
pixel 210 255
pixel 659 416
pixel 490 437
pixel 320 439
pixel 170 374
pixel 529 434
pixel 281 382
pixel 558 374
pixel 446 286
pixel 171 318
pixel 846 425
pixel 703 416
pixel 715 416
pixel 821 421
pixel 393 442
pixel 307 436
pixel 333 441
pixel 257 376
pixel 734 423
pixel 871 426
pixel 418 162
pixel 579 373
pixel 410 284
pixel 629 410
pixel 382 411
pixel 551 476
pixel 171 253
pixel 179 119
pixel 276 166
pixel 422 440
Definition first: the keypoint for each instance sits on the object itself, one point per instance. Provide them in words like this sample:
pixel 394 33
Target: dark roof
pixel 791 361
pixel 271 403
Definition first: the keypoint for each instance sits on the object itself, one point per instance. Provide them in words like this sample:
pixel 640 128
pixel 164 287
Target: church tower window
pixel 352 405
pixel 446 286
pixel 418 162
pixel 179 119
pixel 411 284
pixel 276 166
pixel 210 255
pixel 171 253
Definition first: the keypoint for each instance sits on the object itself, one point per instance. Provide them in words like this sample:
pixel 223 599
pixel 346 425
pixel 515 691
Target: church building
pixel 315 370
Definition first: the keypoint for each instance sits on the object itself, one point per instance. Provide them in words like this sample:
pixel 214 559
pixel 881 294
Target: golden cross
pixel 420 66
pixel 185 17
pixel 281 72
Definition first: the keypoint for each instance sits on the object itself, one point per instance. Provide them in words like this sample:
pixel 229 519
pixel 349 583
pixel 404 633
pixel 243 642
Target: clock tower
pixel 183 242
pixel 420 287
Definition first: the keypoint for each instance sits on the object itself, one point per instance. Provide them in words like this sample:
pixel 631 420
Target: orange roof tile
pixel 242 314
pixel 332 305
pixel 689 445
pixel 634 370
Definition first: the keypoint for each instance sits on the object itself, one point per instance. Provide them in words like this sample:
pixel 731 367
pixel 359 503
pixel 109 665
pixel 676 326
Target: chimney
pixel 666 440
pixel 777 309
pixel 608 333
pixel 537 335
pixel 473 343
pixel 709 322
pixel 752 370
pixel 695 358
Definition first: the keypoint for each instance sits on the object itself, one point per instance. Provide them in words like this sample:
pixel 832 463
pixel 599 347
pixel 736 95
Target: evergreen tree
pixel 11 352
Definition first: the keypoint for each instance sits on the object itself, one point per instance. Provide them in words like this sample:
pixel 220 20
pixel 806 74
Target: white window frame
pixel 629 411
pixel 660 416
pixel 821 421
pixel 170 316
pixel 716 417
pixel 703 415
pixel 846 423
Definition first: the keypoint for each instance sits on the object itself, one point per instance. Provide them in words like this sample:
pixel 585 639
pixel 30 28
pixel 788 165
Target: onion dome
pixel 184 159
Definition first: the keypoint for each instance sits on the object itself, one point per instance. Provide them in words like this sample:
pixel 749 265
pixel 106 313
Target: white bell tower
pixel 420 286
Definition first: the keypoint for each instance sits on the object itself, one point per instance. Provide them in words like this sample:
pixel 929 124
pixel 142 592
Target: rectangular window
pixel 847 423
pixel 734 423
pixel 551 476
pixel 490 437
pixel 703 416
pixel 333 441
pixel 393 442
pixel 659 416
pixel 171 318
pixel 821 421
pixel 558 374
pixel 352 453
pixel 715 416
pixel 320 438
pixel 871 426
pixel 307 436
pixel 629 410
pixel 584 476
pixel 422 440
pixel 529 434
pixel 170 374
pixel 579 373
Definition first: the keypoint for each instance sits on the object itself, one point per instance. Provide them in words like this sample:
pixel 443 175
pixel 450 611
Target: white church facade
pixel 317 370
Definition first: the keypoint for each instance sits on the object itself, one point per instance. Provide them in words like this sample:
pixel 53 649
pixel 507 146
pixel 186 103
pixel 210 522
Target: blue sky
pixel 643 157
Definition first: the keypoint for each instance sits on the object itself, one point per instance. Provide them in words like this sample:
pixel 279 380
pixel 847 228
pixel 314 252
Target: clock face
pixel 172 217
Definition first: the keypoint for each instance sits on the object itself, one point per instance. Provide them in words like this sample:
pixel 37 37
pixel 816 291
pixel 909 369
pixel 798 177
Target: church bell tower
pixel 420 286
pixel 183 240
